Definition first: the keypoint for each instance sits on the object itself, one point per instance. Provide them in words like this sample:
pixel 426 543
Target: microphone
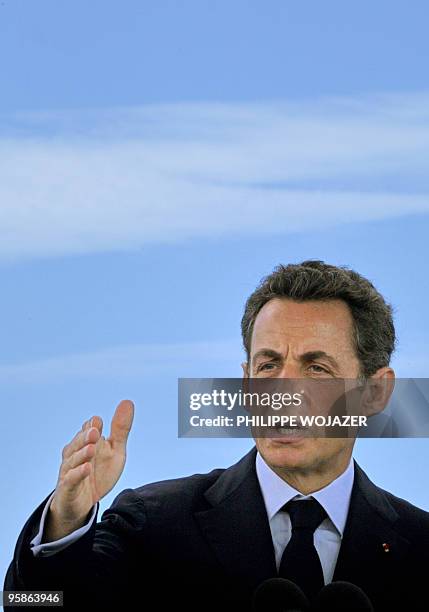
pixel 279 595
pixel 339 596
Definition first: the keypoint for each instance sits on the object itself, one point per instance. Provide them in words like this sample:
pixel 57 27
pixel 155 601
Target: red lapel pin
pixel 386 547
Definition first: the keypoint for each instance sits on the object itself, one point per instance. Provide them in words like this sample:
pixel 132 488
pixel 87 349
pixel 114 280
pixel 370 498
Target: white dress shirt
pixel 334 498
pixel 50 548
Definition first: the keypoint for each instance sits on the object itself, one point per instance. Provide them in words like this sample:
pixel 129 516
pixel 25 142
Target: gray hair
pixel 373 330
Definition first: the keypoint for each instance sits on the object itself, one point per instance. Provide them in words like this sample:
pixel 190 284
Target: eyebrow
pixel 266 352
pixel 305 357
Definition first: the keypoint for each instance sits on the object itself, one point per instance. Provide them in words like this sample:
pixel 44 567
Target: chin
pixel 288 456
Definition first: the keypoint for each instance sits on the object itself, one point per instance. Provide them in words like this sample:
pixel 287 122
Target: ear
pixel 245 381
pixel 377 391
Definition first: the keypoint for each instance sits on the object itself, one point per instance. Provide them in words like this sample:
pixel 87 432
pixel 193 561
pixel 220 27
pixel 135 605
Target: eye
pixel 266 366
pixel 318 369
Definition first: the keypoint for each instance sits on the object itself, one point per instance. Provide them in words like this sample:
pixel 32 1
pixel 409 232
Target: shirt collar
pixel 334 498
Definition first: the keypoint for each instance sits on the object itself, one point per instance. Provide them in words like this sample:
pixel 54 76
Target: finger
pixel 97 422
pixel 90 436
pixel 74 477
pixel 81 456
pixel 121 423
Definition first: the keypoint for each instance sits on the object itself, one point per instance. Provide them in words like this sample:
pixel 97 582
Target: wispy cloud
pixel 130 362
pixel 116 180
pixel 135 362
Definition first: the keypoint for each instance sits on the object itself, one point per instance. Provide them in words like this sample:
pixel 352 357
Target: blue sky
pixel 156 160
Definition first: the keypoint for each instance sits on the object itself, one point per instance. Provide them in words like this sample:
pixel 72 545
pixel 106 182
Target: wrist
pixel 57 527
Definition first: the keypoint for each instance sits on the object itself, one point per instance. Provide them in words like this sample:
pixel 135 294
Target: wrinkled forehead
pixel 310 325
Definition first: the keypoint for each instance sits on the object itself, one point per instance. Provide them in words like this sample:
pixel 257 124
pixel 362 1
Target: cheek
pixel 329 447
pixel 261 443
pixel 328 397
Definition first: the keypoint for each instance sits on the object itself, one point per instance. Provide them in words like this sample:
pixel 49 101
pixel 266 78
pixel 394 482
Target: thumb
pixel 121 423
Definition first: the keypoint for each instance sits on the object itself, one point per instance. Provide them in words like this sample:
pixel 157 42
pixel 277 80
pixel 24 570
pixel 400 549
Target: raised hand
pixel 91 466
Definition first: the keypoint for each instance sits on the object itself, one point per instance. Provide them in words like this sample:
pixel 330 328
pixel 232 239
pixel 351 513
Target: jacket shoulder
pixel 168 496
pixel 410 515
pixel 404 515
pixel 179 486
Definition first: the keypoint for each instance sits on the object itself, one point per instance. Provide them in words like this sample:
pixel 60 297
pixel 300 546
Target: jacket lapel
pixel 236 526
pixel 372 551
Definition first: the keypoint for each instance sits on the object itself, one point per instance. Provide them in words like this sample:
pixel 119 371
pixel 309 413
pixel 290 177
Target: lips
pixel 289 431
pixel 289 434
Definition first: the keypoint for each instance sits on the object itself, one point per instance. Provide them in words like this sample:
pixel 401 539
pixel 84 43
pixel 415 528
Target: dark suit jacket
pixel 203 542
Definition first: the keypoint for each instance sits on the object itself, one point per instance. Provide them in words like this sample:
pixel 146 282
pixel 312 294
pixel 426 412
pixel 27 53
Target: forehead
pixel 312 325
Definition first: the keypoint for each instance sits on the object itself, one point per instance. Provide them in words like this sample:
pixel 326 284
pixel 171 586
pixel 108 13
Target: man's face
pixel 303 340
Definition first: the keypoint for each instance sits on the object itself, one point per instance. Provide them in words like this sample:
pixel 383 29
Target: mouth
pixel 285 435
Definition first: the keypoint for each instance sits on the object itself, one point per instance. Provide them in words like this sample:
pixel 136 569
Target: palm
pixel 77 491
pixel 108 465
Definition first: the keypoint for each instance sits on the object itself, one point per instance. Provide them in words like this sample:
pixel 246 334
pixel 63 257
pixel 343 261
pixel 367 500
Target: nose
pixel 289 370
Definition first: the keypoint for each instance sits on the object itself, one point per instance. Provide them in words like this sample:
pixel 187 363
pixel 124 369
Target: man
pixel 296 507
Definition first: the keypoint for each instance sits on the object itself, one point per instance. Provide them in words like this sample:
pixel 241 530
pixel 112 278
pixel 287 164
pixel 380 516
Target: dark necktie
pixel 300 561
